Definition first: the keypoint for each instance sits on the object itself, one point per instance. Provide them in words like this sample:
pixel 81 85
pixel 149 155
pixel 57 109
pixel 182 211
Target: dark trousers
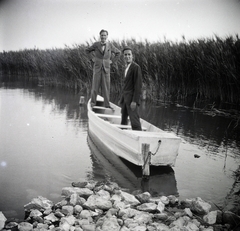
pixel 133 115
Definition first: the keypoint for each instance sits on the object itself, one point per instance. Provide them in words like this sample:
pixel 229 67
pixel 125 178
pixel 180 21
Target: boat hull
pixel 161 182
pixel 128 143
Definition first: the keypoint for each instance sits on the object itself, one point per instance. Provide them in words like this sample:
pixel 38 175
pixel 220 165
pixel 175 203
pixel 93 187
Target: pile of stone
pixel 104 206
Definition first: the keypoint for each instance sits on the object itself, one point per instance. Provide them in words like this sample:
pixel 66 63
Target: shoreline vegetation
pixel 198 70
pixel 104 206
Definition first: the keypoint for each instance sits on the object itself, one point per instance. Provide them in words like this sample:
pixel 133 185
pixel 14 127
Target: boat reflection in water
pixel 107 165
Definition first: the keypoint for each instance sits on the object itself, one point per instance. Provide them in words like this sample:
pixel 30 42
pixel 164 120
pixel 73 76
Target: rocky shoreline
pixel 104 206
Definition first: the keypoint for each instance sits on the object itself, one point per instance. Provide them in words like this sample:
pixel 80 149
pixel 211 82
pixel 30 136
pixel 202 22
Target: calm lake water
pixel 45 146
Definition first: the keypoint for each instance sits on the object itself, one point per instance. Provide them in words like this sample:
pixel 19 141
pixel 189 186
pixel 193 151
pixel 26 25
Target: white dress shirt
pixel 126 70
pixel 103 46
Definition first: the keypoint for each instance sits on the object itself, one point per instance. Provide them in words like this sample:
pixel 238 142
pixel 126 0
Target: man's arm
pixel 89 51
pixel 137 84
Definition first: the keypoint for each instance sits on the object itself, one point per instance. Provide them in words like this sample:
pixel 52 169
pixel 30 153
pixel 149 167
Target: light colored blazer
pixel 103 59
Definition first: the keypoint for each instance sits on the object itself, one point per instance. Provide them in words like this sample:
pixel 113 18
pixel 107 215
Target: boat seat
pixel 101 107
pixel 108 116
pixel 98 107
pixel 126 126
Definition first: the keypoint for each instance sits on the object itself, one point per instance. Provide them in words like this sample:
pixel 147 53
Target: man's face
pixel 128 57
pixel 103 37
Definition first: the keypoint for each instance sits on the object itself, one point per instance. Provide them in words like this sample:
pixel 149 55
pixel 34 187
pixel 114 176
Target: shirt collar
pixel 128 64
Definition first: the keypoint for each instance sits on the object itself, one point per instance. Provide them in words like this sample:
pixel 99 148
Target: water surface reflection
pixel 218 134
pixel 44 146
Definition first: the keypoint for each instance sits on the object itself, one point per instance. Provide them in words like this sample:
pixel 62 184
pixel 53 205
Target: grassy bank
pixel 203 69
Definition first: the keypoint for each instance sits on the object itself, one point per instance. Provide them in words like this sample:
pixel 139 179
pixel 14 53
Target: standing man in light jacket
pixel 102 54
pixel 131 92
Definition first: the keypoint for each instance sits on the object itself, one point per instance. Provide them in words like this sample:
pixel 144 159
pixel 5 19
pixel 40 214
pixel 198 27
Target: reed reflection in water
pixel 42 143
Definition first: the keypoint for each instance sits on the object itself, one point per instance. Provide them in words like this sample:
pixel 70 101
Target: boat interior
pixel 113 116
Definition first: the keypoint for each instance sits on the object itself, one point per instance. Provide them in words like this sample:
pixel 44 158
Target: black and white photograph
pixel 120 115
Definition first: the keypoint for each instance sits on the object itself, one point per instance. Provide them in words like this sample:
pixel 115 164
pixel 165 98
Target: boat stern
pixel 163 147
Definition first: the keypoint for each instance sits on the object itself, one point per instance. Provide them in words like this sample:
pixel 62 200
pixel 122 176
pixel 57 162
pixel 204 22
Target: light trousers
pixel 101 79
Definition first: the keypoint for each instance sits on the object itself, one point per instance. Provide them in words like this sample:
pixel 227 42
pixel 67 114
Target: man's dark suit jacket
pixel 132 85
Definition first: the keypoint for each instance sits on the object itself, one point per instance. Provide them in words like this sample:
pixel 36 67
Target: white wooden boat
pixel 128 144
pixel 161 182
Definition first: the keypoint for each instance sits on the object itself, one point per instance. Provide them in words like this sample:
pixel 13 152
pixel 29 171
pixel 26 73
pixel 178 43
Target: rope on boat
pixel 151 154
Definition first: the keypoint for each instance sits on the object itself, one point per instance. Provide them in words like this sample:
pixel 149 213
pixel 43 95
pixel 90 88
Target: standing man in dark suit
pixel 131 91
pixel 102 54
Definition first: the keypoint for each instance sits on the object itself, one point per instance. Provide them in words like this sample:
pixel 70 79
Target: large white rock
pixel 129 198
pixel 25 226
pixel 68 191
pixel 35 213
pixel 144 197
pixel 119 205
pixel 160 226
pixel 74 199
pixel 97 202
pixel 41 226
pixel 172 199
pixel 104 194
pixel 110 186
pixel 143 218
pixel 191 227
pixel 39 203
pixel 51 217
pixel 82 222
pixel 85 214
pixel 211 217
pixel 64 226
pixel 160 206
pixel 128 212
pixel 180 222
pixel 2 220
pixel 77 209
pixel 90 227
pixel 188 212
pixel 200 206
pixel 115 197
pixel 67 209
pixel 110 224
pixel 130 223
pixel 12 225
pixel 69 219
pixel 147 207
pixel 161 216
pixel 164 200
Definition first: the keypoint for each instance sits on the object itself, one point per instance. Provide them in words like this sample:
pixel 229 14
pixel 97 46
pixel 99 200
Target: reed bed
pixel 203 69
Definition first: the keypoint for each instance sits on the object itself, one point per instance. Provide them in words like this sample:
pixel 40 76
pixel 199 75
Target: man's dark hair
pixel 126 48
pixel 103 31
